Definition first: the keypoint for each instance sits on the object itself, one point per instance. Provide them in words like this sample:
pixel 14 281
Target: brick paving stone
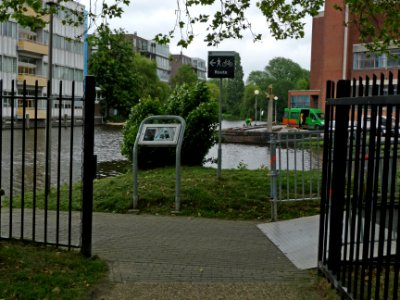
pixel 148 248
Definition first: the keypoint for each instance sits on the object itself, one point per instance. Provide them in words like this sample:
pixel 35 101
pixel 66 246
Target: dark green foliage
pixel 195 105
pixel 115 71
pixel 191 102
pixel 122 76
pixel 234 89
pixel 147 157
pixel 284 75
pixel 185 74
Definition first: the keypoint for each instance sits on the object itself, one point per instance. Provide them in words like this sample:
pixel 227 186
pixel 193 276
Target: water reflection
pixel 110 160
pixel 66 161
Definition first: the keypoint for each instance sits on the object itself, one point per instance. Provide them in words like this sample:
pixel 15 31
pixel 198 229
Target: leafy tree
pixel 247 105
pixel 234 89
pixel 192 102
pixel 122 75
pixel 377 21
pixel 148 81
pixel 115 70
pixel 184 74
pixel 284 75
pixel 285 69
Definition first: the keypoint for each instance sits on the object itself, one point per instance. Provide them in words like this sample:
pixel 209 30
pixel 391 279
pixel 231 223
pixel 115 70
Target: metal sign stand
pixel 221 64
pixel 159 135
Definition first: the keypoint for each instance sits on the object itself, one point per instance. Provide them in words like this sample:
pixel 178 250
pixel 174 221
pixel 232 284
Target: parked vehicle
pixel 308 118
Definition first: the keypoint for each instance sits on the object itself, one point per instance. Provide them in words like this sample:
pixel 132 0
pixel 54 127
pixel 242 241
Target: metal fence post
pixel 274 174
pixel 89 167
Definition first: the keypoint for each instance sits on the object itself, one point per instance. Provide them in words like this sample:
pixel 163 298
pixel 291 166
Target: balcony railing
pixel 31 79
pixel 33 47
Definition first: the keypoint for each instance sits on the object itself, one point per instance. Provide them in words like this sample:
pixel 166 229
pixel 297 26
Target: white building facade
pixel 24 57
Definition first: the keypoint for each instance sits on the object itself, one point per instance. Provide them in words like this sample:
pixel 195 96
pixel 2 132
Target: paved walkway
pixel 176 257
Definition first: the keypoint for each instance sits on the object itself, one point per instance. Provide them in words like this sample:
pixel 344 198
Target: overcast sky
pixel 150 17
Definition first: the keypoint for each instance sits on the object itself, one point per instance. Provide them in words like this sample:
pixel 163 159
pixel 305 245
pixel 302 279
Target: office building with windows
pixel 24 57
pixel 198 65
pixel 154 51
pixel 336 53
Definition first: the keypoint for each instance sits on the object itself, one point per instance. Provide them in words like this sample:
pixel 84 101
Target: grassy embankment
pixel 239 194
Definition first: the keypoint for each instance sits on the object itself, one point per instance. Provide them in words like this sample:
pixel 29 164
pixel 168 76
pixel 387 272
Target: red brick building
pixel 336 53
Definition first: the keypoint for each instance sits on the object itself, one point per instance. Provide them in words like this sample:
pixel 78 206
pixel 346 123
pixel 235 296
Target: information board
pixel 159 134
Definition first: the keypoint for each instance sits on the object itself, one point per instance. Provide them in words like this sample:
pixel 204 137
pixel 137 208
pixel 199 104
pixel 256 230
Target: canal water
pixel 111 162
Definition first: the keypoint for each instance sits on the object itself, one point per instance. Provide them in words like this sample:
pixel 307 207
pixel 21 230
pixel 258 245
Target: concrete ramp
pixel 297 239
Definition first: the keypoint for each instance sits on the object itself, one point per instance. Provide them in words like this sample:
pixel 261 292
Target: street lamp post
pixel 276 111
pixel 256 92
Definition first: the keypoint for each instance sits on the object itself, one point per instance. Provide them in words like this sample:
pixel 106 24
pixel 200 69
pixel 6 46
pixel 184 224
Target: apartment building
pixel 24 57
pixel 154 51
pixel 198 65
pixel 336 53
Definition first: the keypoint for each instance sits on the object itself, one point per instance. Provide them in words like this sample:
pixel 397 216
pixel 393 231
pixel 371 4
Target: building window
pixel 394 59
pixel 9 64
pixel 300 101
pixel 9 29
pixel 366 60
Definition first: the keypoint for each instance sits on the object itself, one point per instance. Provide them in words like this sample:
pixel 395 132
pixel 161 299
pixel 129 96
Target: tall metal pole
pixel 49 98
pixel 220 130
pixel 256 92
pixel 255 111
pixel 270 108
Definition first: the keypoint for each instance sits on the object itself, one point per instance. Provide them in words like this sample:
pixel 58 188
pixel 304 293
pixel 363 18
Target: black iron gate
pixel 359 243
pixel 47 166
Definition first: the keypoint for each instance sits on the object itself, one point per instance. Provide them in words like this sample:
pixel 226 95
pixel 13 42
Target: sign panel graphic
pixel 160 134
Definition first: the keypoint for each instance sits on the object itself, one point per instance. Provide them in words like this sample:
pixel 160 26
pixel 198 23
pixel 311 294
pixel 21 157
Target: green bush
pixel 200 111
pixel 147 157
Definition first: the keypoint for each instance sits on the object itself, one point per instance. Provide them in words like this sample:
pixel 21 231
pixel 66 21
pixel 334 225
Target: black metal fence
pixel 359 242
pixel 47 186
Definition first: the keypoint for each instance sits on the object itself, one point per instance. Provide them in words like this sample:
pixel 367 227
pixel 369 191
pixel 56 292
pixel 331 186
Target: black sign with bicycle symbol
pixel 221 64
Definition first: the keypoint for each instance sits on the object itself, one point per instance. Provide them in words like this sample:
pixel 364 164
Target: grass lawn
pixel 33 272
pixel 30 271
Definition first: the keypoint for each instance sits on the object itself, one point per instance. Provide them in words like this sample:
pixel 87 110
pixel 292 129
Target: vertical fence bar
pixel 392 196
pixel 352 202
pixel 287 168
pixel 12 100
pixel 338 184
pixel 60 104
pixel 279 142
pixel 47 172
pixel 274 200
pixel 35 150
pixel 23 159
pixel 1 147
pixel 383 204
pixel 71 151
pixel 323 224
pixel 89 167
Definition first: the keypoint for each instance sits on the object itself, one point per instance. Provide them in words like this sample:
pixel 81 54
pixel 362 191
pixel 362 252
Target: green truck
pixel 307 118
